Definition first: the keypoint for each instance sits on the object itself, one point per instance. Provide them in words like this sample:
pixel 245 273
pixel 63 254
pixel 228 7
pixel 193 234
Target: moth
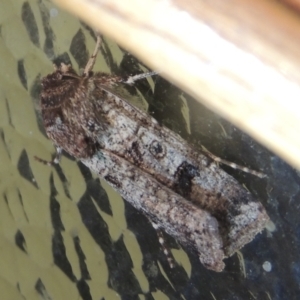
pixel 181 190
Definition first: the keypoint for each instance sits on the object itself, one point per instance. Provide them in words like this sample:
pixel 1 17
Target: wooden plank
pixel 239 58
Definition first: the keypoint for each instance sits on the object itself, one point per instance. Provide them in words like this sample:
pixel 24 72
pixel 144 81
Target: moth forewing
pixel 180 189
pixel 138 138
pixel 192 226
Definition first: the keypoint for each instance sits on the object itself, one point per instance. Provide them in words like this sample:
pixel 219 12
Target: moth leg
pixel 232 165
pixel 166 250
pixel 54 161
pixel 91 62
pixel 132 79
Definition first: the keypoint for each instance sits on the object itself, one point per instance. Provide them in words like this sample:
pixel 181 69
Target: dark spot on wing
pixel 157 149
pixel 184 175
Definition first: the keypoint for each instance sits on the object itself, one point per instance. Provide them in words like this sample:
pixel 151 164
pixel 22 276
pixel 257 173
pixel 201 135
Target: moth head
pixel 61 72
pixel 59 85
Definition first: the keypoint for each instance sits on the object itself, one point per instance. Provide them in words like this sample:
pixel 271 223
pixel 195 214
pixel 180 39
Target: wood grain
pixel 239 58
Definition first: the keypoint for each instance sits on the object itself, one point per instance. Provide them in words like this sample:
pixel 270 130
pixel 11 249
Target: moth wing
pixel 136 101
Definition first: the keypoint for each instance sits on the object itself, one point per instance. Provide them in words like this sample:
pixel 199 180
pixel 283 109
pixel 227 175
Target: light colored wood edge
pixel 239 58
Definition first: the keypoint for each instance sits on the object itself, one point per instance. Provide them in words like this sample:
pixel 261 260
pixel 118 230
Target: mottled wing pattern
pixel 64 234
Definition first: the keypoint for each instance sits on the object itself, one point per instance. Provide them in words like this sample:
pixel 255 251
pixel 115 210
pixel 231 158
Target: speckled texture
pixel 192 226
pixel 66 234
pixel 90 113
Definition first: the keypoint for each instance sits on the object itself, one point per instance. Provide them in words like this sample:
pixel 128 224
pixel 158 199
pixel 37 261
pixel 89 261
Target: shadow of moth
pixel 182 191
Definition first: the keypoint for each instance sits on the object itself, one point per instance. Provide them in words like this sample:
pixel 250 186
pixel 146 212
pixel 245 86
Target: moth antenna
pixel 91 62
pixel 166 250
pixel 233 165
pixel 132 79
